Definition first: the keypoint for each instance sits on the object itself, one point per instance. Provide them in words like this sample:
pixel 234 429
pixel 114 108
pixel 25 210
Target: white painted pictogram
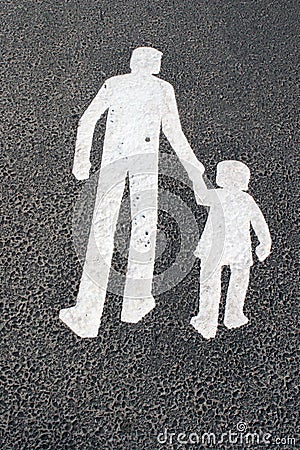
pixel 139 105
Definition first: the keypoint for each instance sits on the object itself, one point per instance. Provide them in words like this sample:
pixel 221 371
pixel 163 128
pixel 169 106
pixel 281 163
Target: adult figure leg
pixel 138 299
pixel 84 318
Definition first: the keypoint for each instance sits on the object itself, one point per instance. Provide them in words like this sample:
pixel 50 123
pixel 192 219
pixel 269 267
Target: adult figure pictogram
pixel 139 105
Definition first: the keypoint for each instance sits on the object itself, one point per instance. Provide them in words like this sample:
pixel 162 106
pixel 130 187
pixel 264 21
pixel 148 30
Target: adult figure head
pixel 145 60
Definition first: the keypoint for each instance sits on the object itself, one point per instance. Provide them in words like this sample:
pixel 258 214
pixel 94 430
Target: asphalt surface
pixel 233 66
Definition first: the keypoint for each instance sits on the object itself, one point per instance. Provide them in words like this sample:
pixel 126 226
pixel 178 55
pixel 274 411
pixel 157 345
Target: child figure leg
pixel 206 322
pixel 237 289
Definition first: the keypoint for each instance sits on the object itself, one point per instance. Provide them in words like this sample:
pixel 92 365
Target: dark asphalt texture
pixel 233 65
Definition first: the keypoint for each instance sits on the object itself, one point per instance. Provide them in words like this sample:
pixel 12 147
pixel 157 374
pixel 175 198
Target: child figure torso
pixel 226 238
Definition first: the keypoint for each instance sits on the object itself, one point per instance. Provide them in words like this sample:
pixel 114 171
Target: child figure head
pixel 233 174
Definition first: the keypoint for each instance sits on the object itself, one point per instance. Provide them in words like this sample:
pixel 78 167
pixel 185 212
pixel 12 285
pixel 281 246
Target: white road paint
pixel 139 105
pixel 232 211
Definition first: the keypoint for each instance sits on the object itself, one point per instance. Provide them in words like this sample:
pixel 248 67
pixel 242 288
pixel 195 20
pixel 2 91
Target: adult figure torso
pixel 136 107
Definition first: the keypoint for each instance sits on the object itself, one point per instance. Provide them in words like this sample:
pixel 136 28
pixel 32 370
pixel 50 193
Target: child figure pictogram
pixel 226 241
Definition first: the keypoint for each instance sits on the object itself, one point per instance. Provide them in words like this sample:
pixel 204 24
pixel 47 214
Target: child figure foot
pixel 208 331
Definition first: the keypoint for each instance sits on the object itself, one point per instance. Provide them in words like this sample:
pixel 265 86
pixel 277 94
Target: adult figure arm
pixel 171 127
pixel 85 132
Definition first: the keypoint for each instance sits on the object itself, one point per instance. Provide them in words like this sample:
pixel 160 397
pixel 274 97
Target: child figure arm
pixel 202 193
pixel 262 232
